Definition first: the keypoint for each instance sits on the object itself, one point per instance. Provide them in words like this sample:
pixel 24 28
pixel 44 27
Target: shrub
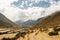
pixel 1 33
pixel 6 39
pixel 36 33
pixel 56 29
pixel 20 34
pixel 31 31
pixel 53 33
pixel 23 34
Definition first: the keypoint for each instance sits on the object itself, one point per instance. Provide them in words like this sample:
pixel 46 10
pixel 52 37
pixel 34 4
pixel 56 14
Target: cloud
pixel 52 9
pixel 6 9
pixel 14 13
pixel 32 13
pixel 25 4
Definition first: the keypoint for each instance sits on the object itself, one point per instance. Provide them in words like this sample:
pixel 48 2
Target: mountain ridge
pixel 50 20
pixel 5 22
pixel 29 22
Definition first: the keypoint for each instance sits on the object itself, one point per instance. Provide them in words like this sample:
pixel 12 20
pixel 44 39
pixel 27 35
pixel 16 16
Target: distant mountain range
pixel 29 22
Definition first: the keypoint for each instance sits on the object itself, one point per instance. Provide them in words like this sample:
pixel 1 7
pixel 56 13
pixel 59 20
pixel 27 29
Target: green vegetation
pixel 56 29
pixel 6 39
pixel 1 33
pixel 23 34
pixel 53 33
pixel 20 34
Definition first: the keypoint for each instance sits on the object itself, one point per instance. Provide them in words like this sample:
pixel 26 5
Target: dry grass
pixel 40 36
pixel 32 35
pixel 6 35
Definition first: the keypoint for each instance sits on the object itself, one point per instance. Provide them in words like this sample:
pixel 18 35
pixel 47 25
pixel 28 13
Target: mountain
pixel 50 20
pixel 39 20
pixel 26 23
pixel 5 22
pixel 29 22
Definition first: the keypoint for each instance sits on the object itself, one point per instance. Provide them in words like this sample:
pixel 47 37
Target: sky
pixel 24 10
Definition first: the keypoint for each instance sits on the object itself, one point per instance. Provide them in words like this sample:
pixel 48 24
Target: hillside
pixel 5 22
pixel 50 20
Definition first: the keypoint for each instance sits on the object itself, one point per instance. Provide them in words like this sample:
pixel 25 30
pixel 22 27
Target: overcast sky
pixel 28 9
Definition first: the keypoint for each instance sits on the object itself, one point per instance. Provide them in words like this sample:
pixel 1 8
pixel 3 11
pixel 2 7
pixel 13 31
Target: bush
pixel 20 34
pixel 1 33
pixel 6 39
pixel 31 31
pixel 53 33
pixel 56 29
